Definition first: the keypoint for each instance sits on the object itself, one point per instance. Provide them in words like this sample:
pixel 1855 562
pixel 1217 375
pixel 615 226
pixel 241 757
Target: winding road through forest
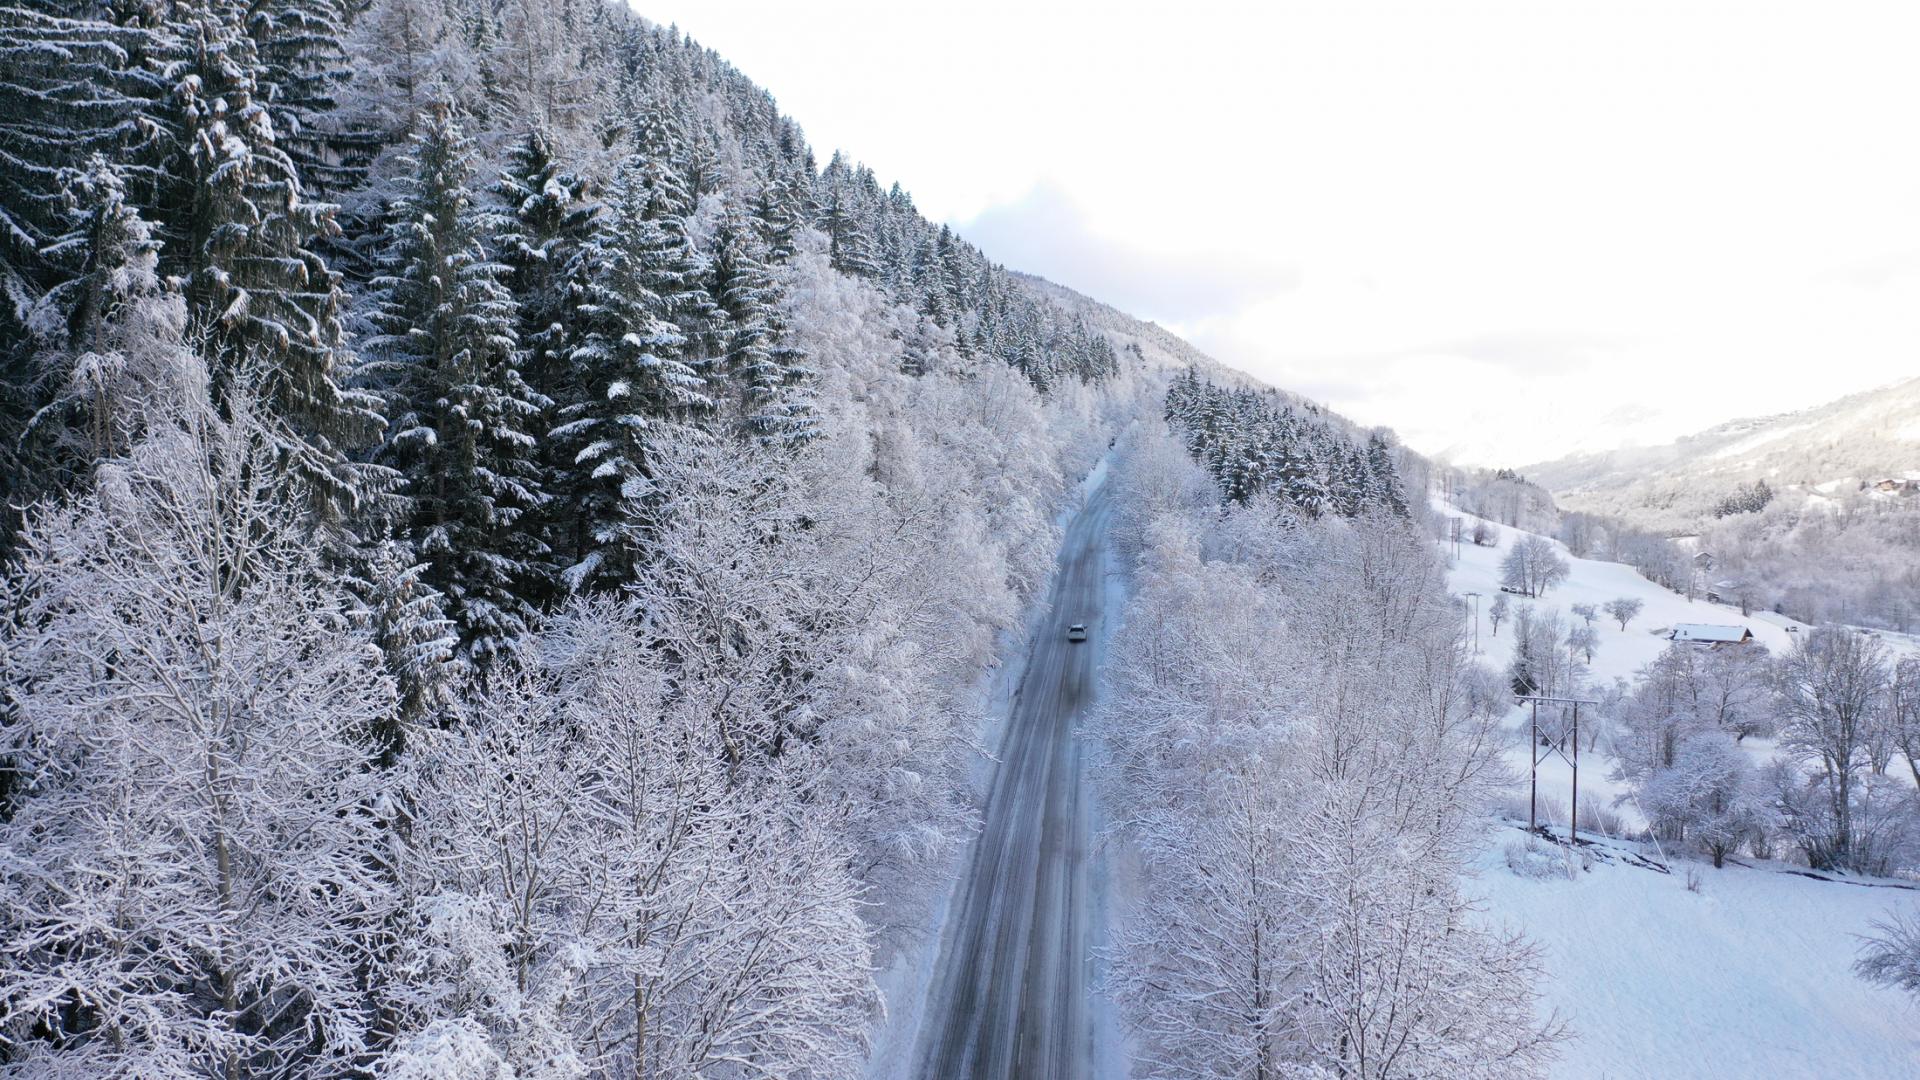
pixel 1010 997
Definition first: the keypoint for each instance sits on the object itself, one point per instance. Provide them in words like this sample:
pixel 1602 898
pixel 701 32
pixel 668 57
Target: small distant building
pixel 1710 635
pixel 1894 485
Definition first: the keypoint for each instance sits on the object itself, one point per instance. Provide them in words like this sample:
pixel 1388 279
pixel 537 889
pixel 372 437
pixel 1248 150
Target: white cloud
pixel 1501 227
pixel 1046 232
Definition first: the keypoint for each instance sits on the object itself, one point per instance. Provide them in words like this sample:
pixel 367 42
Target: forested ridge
pixel 597 174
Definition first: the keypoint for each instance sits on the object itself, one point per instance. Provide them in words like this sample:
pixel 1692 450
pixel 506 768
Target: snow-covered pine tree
pixel 239 225
pixel 1034 361
pixel 1346 478
pixel 705 173
pixel 1383 480
pixel 1104 363
pixel 406 619
pixel 849 236
pixel 763 375
pixel 112 336
pixel 72 85
pixel 898 247
pixel 779 208
pixel 636 389
pixel 675 269
pixel 931 285
pixel 303 70
pixel 548 217
pixel 549 221
pixel 952 255
pixel 448 359
pixel 660 159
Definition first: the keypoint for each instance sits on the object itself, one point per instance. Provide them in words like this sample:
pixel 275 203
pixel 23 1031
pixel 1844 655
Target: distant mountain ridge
pixel 1820 453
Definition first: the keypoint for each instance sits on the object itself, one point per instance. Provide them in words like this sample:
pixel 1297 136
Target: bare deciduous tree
pixel 1830 689
pixel 1624 610
pixel 1532 566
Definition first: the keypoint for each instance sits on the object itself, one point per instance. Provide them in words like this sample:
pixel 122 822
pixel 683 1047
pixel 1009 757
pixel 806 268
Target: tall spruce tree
pixel 406 620
pixel 240 228
pixel 548 219
pixel 73 85
pixel 779 209
pixel 674 269
pixel 763 376
pixel 1385 489
pixel 636 388
pixel 111 338
pixel 841 216
pixel 448 359
pixel 303 68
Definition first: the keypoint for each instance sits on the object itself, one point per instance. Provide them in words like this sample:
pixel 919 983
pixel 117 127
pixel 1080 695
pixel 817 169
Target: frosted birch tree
pixel 191 883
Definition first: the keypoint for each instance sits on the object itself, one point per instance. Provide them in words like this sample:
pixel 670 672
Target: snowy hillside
pixel 1747 976
pixel 1863 438
pixel 1621 653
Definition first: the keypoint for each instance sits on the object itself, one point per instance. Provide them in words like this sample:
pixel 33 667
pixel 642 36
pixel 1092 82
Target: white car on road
pixel 1077 632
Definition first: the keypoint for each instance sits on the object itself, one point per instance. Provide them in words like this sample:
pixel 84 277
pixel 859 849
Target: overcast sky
pixel 1508 230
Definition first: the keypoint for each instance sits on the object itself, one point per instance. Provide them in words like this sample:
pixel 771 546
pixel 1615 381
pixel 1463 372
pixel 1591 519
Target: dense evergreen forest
pixel 553 225
pixel 1254 446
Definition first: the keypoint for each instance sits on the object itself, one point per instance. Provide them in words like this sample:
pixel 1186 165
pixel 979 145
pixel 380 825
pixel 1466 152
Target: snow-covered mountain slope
pixel 1590 581
pixel 1863 438
pixel 1749 975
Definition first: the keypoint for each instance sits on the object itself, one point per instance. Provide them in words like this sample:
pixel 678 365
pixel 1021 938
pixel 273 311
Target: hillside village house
pixel 1710 635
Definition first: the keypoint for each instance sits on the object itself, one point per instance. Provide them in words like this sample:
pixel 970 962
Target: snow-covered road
pixel 1010 997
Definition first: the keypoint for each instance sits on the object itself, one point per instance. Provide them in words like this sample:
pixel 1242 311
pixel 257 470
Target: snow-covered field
pixel 1747 977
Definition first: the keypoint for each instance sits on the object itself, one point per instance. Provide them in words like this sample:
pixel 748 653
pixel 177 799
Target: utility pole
pixel 1557 745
